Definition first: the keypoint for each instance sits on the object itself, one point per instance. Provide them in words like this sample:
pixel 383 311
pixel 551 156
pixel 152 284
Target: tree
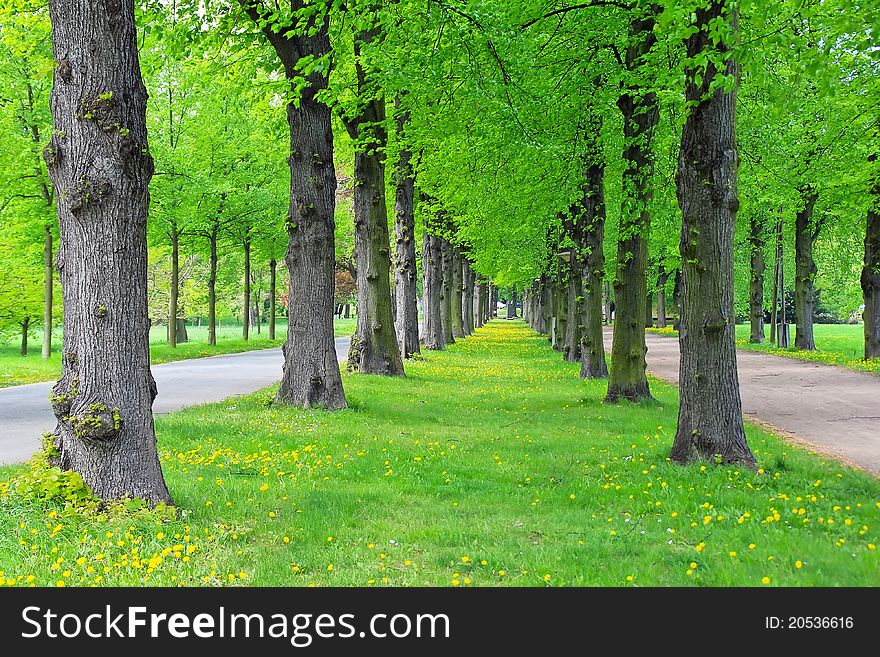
pixel 99 160
pixel 710 422
pixel 870 278
pixel 374 348
pixel 405 268
pixel 301 41
pixel 638 105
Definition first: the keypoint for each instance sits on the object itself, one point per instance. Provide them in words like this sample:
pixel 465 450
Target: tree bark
pixel 374 348
pixel 589 237
pixel 710 422
pixel 571 349
pixel 100 164
pixel 870 278
pixel 246 313
pixel 662 277
pixel 432 269
pixel 480 300
pixel 212 289
pixel 47 291
pixel 446 291
pixel 25 327
pixel 638 106
pixel 539 319
pixel 457 320
pixel 756 279
pixel 467 297
pixel 311 375
pixel 806 232
pixel 175 286
pixel 405 269
pixel 272 290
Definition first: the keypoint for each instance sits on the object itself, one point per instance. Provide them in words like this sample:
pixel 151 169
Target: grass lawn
pixel 18 370
pixel 491 463
pixel 836 344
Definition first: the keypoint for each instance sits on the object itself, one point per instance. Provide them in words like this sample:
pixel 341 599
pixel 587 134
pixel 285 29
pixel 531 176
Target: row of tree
pixel 516 129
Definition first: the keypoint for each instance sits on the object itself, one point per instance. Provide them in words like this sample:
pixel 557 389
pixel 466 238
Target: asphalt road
pixel 829 409
pixel 25 413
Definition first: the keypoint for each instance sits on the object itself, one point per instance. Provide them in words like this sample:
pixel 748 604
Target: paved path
pixel 830 409
pixel 25 413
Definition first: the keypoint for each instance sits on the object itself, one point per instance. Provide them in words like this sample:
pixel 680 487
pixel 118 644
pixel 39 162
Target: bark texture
pixel 589 238
pixel 638 106
pixel 871 271
pixel 405 269
pixel 432 270
pixel 48 279
pixel 273 282
pixel 662 277
pixel 99 161
pixel 374 348
pixel 710 414
pixel 456 316
pixel 467 296
pixel 806 231
pixel 212 286
pixel 311 375
pixel 446 260
pixel 175 285
pixel 757 243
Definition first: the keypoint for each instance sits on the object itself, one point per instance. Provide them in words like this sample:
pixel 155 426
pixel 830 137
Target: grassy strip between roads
pixel 836 344
pixel 490 464
pixel 16 369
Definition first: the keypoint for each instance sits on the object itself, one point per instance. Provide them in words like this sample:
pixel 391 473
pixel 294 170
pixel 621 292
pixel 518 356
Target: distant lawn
pixel 836 344
pixel 18 370
pixel 490 464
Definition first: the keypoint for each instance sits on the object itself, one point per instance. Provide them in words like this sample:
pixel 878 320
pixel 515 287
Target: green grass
pixel 18 370
pixel 836 344
pixel 490 464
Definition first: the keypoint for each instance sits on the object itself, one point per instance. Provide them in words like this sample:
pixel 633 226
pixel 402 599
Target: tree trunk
pixel 467 297
pixel 806 233
pixel 649 311
pixel 47 291
pixel 777 265
pixel 639 109
pixel 871 271
pixel 212 290
pixel 104 398
pixel 272 289
pixel 756 279
pixel 571 349
pixel 311 375
pixel 590 236
pixel 246 314
pixel 560 306
pixel 662 277
pixel 374 348
pixel 539 319
pixel 405 269
pixel 480 301
pixel 456 317
pixel 676 299
pixel 175 286
pixel 446 291
pixel 25 326
pixel 710 414
pixel 432 307
pixel 608 311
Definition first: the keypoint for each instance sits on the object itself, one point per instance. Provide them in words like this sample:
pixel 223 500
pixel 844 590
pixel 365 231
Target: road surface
pixel 830 409
pixel 25 413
